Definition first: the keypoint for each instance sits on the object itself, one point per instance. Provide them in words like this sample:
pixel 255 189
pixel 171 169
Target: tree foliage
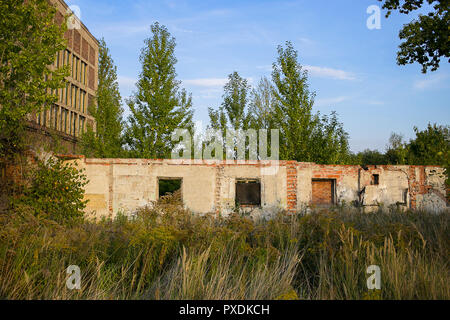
pixel 305 136
pixel 232 114
pixel 107 140
pixel 430 147
pixel 235 100
pixel 426 40
pixel 56 191
pixel 159 106
pixel 262 105
pixel 29 41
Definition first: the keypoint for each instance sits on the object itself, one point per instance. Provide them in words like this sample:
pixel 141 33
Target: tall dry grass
pixel 168 253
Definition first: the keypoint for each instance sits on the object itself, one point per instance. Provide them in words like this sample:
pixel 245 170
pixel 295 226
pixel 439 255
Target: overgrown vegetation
pixel 166 252
pixel 29 41
pixel 53 189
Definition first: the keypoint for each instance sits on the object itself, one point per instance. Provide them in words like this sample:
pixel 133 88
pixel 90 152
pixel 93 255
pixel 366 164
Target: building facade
pixel 68 118
pixel 124 185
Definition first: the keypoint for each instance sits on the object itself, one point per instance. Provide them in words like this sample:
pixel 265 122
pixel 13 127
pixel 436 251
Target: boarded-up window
pixel 91 78
pixel 248 192
pixel 85 50
pixel 76 41
pixel 323 192
pixel 69 36
pixel 92 55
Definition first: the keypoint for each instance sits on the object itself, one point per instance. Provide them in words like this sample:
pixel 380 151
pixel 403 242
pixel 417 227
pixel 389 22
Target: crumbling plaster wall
pixel 127 184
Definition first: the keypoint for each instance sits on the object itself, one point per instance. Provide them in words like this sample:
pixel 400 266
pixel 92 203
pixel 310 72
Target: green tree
pixel 235 100
pixel 262 105
pixel 396 150
pixel 232 114
pixel 30 37
pixel 107 140
pixel 368 157
pixel 159 106
pixel 427 38
pixel 430 147
pixel 293 110
pixel 304 136
pixel 330 141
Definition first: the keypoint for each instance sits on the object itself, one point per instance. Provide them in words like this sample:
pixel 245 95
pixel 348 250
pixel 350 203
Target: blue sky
pixel 352 69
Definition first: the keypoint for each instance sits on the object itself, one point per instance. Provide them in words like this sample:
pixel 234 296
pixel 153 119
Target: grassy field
pixel 168 253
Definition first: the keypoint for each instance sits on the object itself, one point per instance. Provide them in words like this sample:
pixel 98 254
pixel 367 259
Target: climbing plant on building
pixel 29 41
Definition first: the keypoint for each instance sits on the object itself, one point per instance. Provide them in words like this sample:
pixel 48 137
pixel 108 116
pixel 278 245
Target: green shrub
pixel 56 190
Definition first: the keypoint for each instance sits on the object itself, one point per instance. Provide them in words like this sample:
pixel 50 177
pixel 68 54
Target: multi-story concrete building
pixel 69 116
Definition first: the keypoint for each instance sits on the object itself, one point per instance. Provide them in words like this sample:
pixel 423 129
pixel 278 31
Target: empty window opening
pixel 323 191
pixel 375 179
pixel 248 192
pixel 168 186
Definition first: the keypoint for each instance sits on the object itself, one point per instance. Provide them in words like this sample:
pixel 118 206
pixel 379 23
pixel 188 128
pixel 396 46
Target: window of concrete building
pixel 72 102
pixel 74 124
pixel 375 179
pixel 168 186
pixel 57 59
pixel 50 118
pixel 66 93
pixel 84 73
pixel 66 115
pixel 70 122
pixel 73 65
pixel 56 108
pixel 75 103
pixel 44 118
pixel 248 192
pixel 69 55
pixel 82 124
pixel 83 101
pixel 323 191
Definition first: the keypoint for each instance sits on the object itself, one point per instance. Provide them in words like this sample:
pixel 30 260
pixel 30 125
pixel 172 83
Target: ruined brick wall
pixel 208 187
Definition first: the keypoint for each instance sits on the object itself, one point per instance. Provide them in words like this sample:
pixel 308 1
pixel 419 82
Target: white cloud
pixel 210 82
pixel 430 81
pixel 324 72
pixel 327 102
pixel 126 84
pixel 206 82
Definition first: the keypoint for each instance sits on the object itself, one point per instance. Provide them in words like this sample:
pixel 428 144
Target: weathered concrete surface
pixel 124 185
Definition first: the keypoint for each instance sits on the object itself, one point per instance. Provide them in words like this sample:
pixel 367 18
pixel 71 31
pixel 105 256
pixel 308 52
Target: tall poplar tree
pixel 293 110
pixel 304 135
pixel 159 106
pixel 107 140
pixel 262 104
